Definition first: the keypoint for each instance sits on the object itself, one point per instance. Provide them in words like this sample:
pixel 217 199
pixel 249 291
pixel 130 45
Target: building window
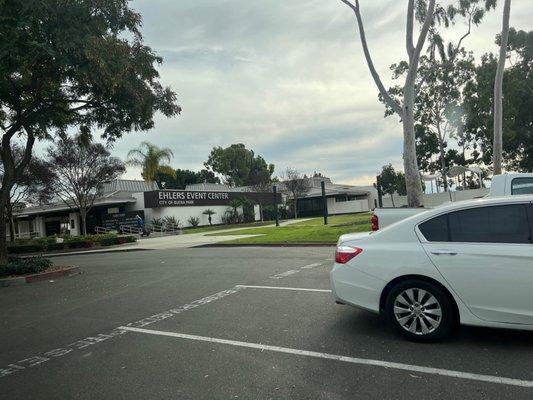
pixel 341 198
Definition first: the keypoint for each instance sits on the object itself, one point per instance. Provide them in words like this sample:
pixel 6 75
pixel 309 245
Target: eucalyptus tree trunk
pixel 406 110
pixel 498 95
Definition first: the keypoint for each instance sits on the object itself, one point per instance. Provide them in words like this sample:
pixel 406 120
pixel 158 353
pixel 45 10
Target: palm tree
pixel 149 157
pixel 209 214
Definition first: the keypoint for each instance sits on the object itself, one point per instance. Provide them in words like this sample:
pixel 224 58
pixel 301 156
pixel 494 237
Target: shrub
pixel 231 216
pixel 157 221
pixel 130 239
pixel 55 246
pixel 25 248
pixel 110 241
pixel 21 266
pixel 77 244
pixel 194 221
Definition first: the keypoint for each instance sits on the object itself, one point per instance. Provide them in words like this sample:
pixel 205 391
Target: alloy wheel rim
pixel 417 311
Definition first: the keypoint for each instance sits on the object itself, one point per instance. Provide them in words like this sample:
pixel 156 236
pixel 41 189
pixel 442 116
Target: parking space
pixel 263 326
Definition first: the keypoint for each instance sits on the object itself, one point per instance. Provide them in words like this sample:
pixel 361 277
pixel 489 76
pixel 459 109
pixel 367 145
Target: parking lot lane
pixel 312 321
pixel 152 367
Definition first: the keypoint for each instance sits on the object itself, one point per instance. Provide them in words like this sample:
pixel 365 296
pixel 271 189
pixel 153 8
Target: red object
pixel 343 254
pixel 375 222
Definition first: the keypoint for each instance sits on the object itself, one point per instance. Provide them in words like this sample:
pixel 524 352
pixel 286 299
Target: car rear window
pixel 436 229
pixel 497 224
pixel 522 186
pixel 494 224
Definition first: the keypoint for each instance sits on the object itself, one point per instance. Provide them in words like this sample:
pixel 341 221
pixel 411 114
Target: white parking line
pixel 283 288
pixel 98 338
pixel 351 360
pixel 284 274
pixel 311 266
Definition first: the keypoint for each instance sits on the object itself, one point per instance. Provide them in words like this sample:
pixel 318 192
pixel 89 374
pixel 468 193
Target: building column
pixel 74 224
pixel 39 226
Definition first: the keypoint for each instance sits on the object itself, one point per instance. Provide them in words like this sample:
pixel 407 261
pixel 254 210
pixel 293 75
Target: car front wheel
pixel 420 311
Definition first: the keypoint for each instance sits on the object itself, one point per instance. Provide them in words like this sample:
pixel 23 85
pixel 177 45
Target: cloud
pixel 287 78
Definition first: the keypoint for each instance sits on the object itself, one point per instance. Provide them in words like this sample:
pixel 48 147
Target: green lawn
pixel 202 229
pixel 312 231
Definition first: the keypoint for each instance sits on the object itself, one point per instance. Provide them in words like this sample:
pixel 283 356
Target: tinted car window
pixel 522 186
pixel 498 224
pixel 436 229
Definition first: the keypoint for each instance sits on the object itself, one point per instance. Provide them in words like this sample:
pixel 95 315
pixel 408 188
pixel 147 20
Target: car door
pixel 486 255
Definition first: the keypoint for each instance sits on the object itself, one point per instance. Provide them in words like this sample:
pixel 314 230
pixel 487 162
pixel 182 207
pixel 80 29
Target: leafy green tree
pixel 150 158
pixel 517 103
pixel 32 187
pixel 239 166
pixel 79 64
pixel 80 170
pixel 392 182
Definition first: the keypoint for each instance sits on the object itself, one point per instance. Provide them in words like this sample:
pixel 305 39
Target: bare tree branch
pixel 410 27
pixel 397 108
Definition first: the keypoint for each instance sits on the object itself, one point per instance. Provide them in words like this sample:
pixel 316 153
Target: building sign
pixel 114 221
pixel 182 198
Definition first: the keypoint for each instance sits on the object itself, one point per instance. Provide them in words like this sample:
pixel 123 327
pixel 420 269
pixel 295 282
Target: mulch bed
pixel 51 273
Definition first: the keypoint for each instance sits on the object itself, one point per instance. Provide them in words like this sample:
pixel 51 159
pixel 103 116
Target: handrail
pixel 130 229
pixel 101 230
pixel 23 235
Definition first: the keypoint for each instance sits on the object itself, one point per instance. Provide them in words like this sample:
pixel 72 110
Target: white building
pixel 122 200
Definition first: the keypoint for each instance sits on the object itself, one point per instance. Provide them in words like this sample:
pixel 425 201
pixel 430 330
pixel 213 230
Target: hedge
pixel 73 242
pixel 22 266
pixel 26 248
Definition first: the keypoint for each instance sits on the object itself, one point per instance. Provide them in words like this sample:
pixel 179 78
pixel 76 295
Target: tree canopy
pixel 517 103
pixel 150 158
pixel 180 178
pixel 80 170
pixel 239 166
pixel 72 64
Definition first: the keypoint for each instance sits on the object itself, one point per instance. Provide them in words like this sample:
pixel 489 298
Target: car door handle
pixel 444 252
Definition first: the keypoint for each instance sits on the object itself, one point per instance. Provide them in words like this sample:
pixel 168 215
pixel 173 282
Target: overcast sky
pixel 285 77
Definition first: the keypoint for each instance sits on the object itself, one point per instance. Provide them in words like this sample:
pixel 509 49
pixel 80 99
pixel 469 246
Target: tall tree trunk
pixel 83 214
pixel 443 165
pixel 498 95
pixel 295 207
pixel 3 235
pixel 9 216
pixel 392 200
pixel 4 198
pixel 11 227
pixel 412 174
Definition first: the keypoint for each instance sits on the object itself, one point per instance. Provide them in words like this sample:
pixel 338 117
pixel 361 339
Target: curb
pixel 42 276
pixel 265 245
pixel 77 253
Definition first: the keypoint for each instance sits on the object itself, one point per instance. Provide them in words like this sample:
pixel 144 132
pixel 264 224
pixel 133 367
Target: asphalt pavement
pixel 227 323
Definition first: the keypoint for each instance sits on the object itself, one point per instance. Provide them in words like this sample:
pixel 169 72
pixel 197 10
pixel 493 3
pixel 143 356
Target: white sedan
pixel 468 262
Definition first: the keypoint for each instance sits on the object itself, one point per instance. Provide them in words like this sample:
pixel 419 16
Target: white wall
pixel 181 213
pixel 76 230
pixel 436 199
pixel 345 207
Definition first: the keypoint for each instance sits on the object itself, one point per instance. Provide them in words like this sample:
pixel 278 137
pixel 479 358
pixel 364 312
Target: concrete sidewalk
pixel 182 241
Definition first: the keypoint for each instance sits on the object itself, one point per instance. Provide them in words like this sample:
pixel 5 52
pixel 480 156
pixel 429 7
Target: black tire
pixel 429 326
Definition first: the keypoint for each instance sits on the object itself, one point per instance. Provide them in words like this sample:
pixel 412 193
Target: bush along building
pixel 123 201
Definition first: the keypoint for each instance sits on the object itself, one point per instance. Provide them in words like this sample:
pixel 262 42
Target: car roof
pixel 523 198
pixel 459 205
